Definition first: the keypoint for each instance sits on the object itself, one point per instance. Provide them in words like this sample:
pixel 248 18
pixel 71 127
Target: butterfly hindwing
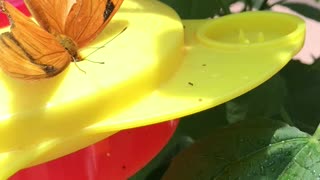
pixel 28 51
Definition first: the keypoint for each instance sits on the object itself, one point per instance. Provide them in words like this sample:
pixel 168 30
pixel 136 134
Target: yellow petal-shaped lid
pixel 158 69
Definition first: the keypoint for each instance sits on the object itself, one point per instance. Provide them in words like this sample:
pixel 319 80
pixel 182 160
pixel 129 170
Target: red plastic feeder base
pixel 117 157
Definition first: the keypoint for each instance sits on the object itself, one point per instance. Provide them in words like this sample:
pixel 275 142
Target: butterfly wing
pixel 82 20
pixel 87 18
pixel 28 51
pixel 50 14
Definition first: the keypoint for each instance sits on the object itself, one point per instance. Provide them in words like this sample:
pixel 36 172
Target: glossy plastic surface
pixel 154 71
pixel 117 157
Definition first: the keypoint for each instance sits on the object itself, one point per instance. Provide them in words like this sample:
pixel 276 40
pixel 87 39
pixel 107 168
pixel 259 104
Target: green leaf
pixel 259 4
pixel 316 65
pixel 198 9
pixel 304 9
pixel 200 124
pixel 250 150
pixel 302 103
pixel 263 101
pixel 182 8
pixel 204 8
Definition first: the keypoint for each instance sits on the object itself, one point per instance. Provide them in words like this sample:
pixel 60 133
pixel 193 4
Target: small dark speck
pixel 200 100
pixel 124 167
pixel 184 26
pixel 190 83
pixel 204 64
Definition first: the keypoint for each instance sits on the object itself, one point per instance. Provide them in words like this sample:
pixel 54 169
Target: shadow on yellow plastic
pixel 160 68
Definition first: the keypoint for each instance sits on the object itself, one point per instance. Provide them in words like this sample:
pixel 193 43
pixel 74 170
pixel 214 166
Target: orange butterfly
pixel 33 52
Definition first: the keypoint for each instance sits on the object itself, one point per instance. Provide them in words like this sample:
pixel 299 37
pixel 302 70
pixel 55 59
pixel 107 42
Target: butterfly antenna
pixel 75 62
pixel 104 46
pixel 98 62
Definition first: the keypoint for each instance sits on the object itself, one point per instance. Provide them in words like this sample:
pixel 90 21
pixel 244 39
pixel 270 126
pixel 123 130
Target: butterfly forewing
pixel 87 18
pixel 81 20
pixel 50 14
pixel 28 51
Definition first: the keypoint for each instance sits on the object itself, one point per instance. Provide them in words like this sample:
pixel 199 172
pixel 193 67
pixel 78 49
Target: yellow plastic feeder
pixel 160 68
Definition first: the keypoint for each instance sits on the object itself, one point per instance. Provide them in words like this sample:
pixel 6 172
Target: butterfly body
pixel 69 45
pixel 33 52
